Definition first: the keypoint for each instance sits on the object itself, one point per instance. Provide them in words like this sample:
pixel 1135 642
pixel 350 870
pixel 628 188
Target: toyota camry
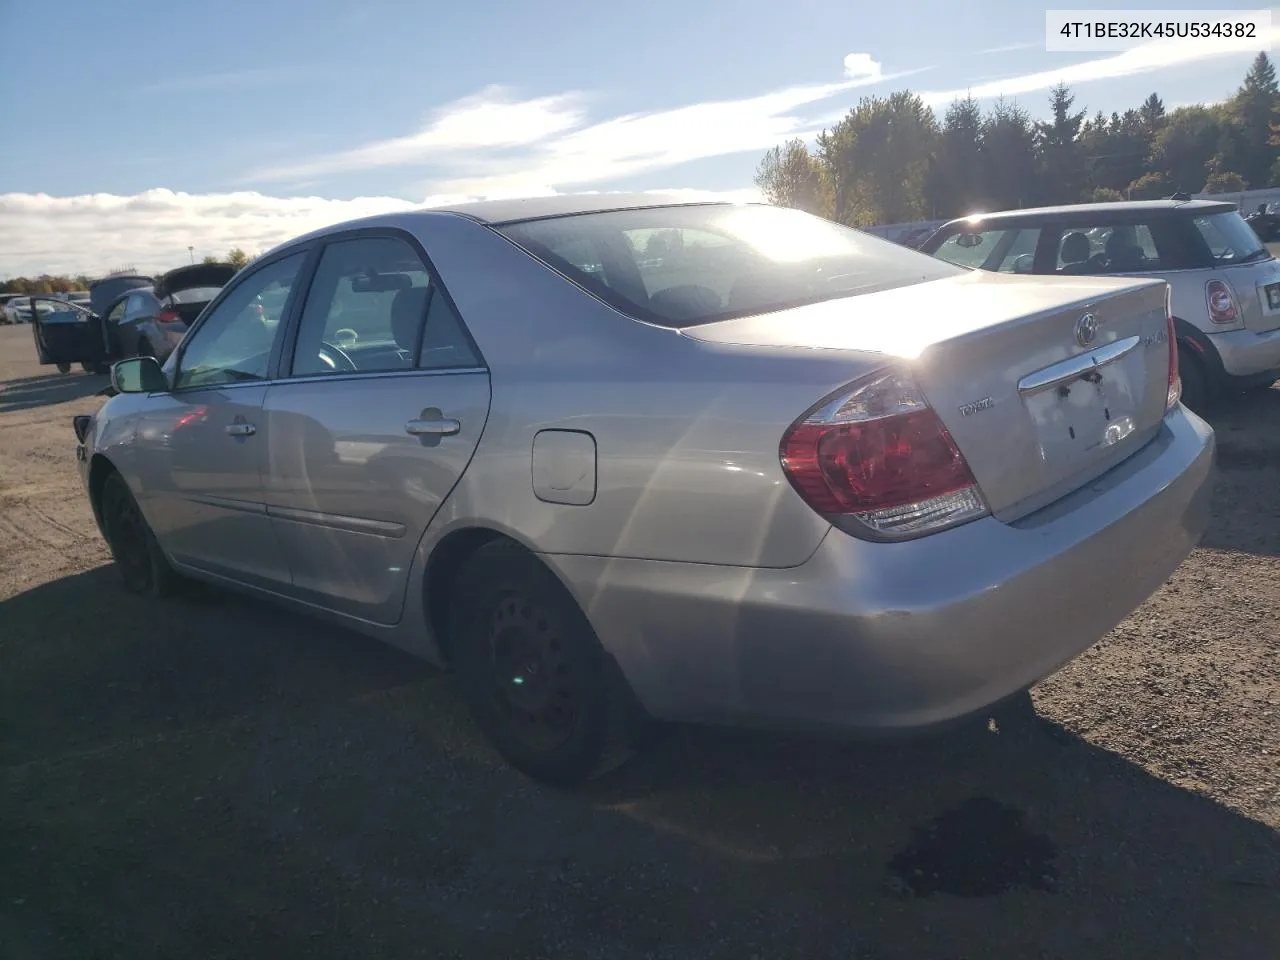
pixel 613 458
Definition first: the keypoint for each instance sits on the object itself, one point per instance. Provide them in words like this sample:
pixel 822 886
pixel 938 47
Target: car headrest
pixel 685 302
pixel 1075 248
pixel 408 310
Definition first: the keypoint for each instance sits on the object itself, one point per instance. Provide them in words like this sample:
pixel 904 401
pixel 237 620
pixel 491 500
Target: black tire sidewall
pixel 161 575
pixel 1195 385
pixel 488 576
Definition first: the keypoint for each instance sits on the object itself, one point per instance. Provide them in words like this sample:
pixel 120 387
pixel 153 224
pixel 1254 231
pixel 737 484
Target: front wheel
pixel 539 684
pixel 64 368
pixel 142 564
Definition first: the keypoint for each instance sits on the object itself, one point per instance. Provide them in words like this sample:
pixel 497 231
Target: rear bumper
pixel 871 636
pixel 1247 354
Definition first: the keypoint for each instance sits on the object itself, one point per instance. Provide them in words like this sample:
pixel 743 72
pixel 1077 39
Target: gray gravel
pixel 217 778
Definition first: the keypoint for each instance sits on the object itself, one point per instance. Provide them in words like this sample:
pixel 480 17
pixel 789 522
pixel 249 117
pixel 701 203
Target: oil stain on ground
pixel 978 849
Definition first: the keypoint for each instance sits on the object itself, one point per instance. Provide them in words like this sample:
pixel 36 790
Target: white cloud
pixel 492 144
pixel 152 230
pixel 860 66
pixel 1144 59
pixel 484 120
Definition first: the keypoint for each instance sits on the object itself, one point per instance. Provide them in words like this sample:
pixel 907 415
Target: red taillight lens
pixel 168 316
pixel 878 455
pixel 1222 305
pixel 1175 378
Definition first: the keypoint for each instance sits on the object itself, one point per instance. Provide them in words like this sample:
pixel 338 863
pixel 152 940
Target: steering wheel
pixel 336 357
pixel 347 336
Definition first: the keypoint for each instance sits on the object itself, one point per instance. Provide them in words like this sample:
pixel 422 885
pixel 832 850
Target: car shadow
pixel 1245 518
pixel 45 391
pixel 230 779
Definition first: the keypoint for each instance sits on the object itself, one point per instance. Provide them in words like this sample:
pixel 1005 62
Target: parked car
pixel 815 480
pixel 8 315
pixel 132 316
pixel 1225 284
pixel 1265 222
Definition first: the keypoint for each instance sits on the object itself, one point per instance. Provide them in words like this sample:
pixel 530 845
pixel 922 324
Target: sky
pixel 142 128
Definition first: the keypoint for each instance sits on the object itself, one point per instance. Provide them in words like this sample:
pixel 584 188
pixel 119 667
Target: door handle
pixel 241 429
pixel 435 427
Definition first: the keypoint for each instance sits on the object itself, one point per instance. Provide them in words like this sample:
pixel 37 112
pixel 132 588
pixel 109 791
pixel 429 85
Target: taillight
pixel 1222 305
pixel 168 316
pixel 876 460
pixel 1175 378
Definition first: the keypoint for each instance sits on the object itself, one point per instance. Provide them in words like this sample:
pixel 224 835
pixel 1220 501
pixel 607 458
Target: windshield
pixel 682 266
pixel 1229 238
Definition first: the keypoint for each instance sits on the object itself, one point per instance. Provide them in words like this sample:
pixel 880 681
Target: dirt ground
pixel 212 777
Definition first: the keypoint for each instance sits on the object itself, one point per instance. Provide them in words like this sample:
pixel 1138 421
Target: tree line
pixel 891 160
pixel 47 283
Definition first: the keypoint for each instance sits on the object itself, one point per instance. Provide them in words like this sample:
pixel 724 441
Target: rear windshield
pixel 1229 238
pixel 682 266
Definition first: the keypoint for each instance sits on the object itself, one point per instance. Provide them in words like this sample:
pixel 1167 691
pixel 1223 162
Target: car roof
pixel 567 204
pixel 1124 210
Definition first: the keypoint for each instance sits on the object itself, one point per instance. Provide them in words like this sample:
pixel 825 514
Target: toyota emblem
pixel 1086 329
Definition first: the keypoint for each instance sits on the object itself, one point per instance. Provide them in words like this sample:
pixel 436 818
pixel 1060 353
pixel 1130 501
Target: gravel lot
pixel 212 777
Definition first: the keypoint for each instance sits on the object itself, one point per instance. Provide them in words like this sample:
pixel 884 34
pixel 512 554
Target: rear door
pixel 64 332
pixel 384 403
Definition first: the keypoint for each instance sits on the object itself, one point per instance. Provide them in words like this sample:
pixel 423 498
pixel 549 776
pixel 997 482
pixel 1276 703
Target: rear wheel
pixel 537 680
pixel 142 564
pixel 64 368
pixel 1195 385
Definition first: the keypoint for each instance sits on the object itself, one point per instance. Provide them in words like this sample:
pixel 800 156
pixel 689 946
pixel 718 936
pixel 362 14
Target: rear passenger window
pixel 372 308
pixel 1122 248
pixel 365 310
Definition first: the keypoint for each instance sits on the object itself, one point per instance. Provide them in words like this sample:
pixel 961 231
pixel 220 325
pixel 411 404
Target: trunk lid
pixel 191 277
pixel 1036 411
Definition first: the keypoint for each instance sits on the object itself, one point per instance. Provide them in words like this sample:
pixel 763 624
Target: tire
pixel 64 368
pixel 1195 385
pixel 540 686
pixel 102 368
pixel 143 567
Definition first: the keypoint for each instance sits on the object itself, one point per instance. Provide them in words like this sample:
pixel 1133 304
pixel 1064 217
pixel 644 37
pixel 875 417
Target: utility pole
pixel 191 252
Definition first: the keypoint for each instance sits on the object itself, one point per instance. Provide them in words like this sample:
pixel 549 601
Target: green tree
pixel 1183 149
pixel 790 177
pixel 877 160
pixel 957 177
pixel 1060 165
pixel 1009 148
pixel 209 259
pixel 1225 182
pixel 237 257
pixel 1251 112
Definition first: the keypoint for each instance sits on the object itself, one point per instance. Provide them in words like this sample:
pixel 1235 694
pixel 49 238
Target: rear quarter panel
pixel 686 433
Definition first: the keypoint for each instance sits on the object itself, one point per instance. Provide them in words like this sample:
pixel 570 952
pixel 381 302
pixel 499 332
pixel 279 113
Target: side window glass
pixel 444 345
pixel 234 343
pixel 365 309
pixel 969 249
pixel 1120 248
pixel 1021 255
pixel 116 313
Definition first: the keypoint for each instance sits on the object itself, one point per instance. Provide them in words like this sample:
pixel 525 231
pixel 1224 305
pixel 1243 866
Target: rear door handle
pixel 436 427
pixel 241 429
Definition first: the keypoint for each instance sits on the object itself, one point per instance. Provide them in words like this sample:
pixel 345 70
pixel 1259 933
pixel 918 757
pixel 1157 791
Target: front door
pixel 375 424
pixel 65 333
pixel 201 447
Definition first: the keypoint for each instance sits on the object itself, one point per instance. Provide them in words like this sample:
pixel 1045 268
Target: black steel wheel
pixel 540 686
pixel 142 564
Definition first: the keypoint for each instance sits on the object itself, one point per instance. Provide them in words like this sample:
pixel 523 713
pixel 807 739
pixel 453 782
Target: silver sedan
pixel 613 458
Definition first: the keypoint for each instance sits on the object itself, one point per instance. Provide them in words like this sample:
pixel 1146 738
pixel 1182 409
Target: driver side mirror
pixel 138 375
